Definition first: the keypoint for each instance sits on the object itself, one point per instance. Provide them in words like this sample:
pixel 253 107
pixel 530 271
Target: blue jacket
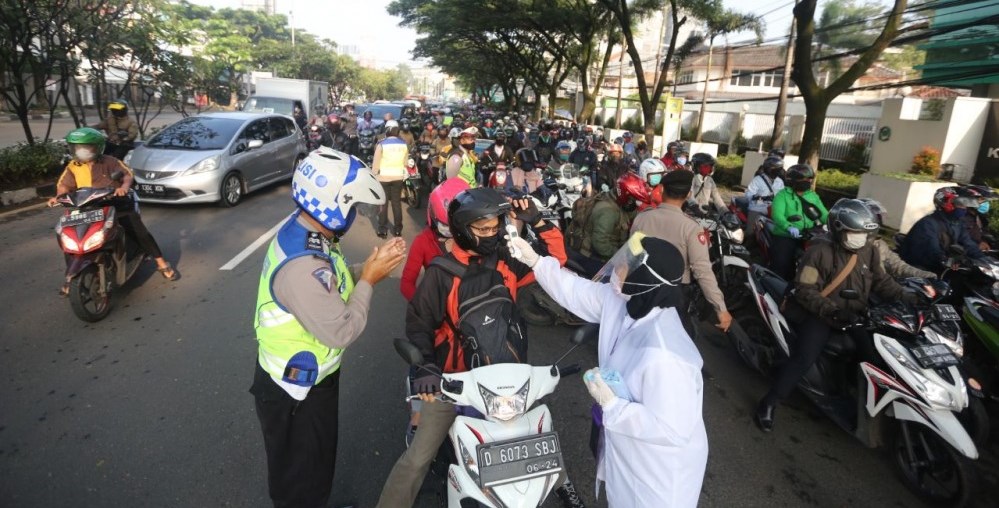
pixel 925 245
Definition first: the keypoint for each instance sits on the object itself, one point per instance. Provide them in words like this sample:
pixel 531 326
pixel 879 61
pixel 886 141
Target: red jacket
pixel 424 249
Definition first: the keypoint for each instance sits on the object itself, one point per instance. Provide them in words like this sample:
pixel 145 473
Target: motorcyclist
pixel 583 156
pixel 496 153
pixel 762 189
pixel 926 245
pixel 704 191
pixel 435 239
pixel 669 158
pixel 429 134
pixel 301 120
pixel 514 138
pixel 627 144
pixel 667 221
pixel 406 135
pixel 476 219
pixel 349 121
pixel 976 200
pixel 849 262
pixel 526 176
pixel 893 264
pixel 367 122
pixel 562 151
pixel 335 137
pixel 545 147
pixel 462 161
pixel 789 203
pixel 121 130
pixel 308 311
pixel 613 166
pixel 642 151
pixel 488 129
pixel 90 167
pixel 651 444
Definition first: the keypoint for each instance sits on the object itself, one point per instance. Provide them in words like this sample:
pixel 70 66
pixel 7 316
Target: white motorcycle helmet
pixel 651 171
pixel 328 185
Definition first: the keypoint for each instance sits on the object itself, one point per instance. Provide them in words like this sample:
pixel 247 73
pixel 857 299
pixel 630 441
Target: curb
pixel 6 213
pixel 15 197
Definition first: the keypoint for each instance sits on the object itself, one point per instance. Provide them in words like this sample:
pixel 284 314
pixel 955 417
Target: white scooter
pixel 512 457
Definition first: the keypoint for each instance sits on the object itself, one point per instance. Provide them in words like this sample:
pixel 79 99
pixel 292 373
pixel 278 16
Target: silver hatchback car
pixel 216 157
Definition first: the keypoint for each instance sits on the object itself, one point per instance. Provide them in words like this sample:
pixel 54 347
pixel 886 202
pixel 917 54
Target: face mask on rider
pixel 655 178
pixel 488 245
pixel 500 142
pixel 854 241
pixel 801 186
pixel 983 208
pixel 468 146
pixel 84 154
pixel 681 160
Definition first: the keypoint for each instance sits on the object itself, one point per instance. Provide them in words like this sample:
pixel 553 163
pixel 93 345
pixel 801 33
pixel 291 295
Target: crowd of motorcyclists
pixel 537 198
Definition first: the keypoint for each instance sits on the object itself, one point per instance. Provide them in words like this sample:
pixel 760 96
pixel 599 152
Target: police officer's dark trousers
pixel 300 438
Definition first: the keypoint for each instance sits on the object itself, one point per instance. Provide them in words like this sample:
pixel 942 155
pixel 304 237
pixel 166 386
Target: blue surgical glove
pixel 794 232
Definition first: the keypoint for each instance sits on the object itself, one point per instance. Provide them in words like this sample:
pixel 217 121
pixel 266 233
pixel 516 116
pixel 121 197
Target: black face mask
pixel 500 142
pixel 668 263
pixel 488 245
pixel 801 186
pixel 468 146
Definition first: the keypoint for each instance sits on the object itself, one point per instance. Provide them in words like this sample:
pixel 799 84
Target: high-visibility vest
pixel 393 161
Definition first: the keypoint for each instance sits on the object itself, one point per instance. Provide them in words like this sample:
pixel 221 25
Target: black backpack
pixel 488 328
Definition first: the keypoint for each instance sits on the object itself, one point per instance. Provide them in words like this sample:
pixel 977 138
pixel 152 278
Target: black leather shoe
pixel 382 233
pixel 397 231
pixel 764 416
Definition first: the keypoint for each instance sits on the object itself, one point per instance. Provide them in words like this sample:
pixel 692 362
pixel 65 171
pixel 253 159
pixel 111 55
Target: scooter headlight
pixel 933 392
pixel 95 240
pixel 505 407
pixel 68 243
pixel 737 235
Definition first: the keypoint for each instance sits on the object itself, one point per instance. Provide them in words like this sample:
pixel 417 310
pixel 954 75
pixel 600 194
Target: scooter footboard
pixel 944 423
pixel 463 478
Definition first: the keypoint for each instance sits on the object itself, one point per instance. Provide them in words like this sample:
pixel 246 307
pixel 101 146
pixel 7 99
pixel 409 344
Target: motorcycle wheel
pixel 934 470
pixel 412 200
pixel 88 301
pixel 975 419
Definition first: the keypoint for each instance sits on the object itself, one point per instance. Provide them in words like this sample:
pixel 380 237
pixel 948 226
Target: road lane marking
pixel 234 262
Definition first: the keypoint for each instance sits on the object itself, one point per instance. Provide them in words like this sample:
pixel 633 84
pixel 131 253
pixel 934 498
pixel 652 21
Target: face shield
pixel 631 257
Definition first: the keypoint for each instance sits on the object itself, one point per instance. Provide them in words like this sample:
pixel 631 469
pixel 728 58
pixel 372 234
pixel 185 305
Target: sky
pixel 366 23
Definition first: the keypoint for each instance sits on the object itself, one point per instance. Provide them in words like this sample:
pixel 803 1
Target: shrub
pixel 926 162
pixel 728 170
pixel 597 120
pixel 23 164
pixel 839 181
pixel 856 155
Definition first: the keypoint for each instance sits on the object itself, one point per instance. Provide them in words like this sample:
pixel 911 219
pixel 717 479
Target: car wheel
pixel 231 189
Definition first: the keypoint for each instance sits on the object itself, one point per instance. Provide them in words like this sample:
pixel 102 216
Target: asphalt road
pixel 150 406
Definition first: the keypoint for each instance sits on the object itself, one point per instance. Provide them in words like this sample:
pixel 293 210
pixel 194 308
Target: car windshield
pixel 270 105
pixel 197 133
pixel 378 110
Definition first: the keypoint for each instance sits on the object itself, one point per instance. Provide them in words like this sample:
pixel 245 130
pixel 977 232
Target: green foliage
pixel 840 181
pixel 856 155
pixel 23 164
pixel 926 162
pixel 993 217
pixel 728 170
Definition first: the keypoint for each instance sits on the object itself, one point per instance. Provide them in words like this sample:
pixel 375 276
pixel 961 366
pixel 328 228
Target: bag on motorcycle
pixel 487 324
pixel 582 209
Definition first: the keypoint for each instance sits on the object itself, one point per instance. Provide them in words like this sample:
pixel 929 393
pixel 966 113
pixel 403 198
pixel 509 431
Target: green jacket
pixel 787 203
pixel 606 231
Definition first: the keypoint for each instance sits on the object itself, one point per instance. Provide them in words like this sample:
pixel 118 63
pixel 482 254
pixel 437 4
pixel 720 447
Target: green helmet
pixel 87 136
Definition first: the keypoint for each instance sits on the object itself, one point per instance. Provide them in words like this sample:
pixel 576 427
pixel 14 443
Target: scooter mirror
pixel 585 333
pixel 849 294
pixel 410 353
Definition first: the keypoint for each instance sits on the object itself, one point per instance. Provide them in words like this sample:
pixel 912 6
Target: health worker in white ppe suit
pixel 652 448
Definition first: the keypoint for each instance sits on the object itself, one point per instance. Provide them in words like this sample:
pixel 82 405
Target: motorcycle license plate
pixel 76 218
pixel 549 215
pixel 934 356
pixel 519 459
pixel 946 312
pixel 146 189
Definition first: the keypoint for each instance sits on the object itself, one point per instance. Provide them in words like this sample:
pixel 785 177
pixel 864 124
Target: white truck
pixel 280 95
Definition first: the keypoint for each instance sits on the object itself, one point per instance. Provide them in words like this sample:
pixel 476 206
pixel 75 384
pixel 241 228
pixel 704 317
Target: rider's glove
pixel 598 389
pixel 523 251
pixel 429 382
pixel 530 215
pixel 794 232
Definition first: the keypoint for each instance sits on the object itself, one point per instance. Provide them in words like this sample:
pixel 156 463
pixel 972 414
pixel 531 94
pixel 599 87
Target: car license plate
pixel 934 356
pixel 519 459
pixel 946 312
pixel 78 217
pixel 151 190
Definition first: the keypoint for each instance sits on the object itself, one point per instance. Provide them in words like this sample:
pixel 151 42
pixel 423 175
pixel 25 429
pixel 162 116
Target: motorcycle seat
pixel 990 315
pixel 775 286
pixel 840 344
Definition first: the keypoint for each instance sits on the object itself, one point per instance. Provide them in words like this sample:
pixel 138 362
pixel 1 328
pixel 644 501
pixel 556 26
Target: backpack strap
pixel 840 277
pixel 449 265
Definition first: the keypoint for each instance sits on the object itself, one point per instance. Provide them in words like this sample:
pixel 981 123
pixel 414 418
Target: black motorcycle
pixel 366 145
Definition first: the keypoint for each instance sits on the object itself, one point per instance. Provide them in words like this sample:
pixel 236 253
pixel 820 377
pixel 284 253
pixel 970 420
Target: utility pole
pixel 777 138
pixel 659 47
pixel 291 21
pixel 620 81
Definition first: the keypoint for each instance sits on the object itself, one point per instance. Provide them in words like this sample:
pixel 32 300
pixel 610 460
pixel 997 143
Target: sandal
pixel 169 273
pixel 64 290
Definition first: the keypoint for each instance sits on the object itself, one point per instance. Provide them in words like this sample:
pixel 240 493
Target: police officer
pixel 667 221
pixel 308 311
pixel 349 121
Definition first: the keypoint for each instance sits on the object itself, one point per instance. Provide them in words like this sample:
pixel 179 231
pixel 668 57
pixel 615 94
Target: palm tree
pixel 724 23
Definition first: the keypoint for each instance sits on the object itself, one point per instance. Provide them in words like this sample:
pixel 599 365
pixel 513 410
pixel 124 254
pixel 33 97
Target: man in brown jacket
pixel 120 129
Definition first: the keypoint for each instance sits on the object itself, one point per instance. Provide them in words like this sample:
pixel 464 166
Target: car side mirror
pixel 254 143
pixel 955 250
pixel 410 353
pixel 849 294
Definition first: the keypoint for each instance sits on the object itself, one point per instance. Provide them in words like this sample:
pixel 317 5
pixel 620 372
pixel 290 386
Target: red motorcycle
pixel 99 255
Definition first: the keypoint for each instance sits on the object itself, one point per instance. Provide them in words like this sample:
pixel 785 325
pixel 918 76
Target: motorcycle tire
pixel 975 419
pixel 936 472
pixel 86 297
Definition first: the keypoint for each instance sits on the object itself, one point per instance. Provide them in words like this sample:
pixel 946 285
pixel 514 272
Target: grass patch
pixel 839 181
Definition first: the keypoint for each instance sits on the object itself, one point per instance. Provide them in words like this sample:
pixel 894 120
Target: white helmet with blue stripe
pixel 328 185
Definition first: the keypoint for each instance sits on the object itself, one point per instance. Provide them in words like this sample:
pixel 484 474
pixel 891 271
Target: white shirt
pixel 759 187
pixel 656 447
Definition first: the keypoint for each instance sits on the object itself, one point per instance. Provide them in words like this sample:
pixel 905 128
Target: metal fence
pixel 840 134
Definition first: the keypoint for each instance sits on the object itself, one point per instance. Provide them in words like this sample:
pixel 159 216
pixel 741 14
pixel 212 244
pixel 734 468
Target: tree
pixel 816 97
pixel 627 14
pixel 723 23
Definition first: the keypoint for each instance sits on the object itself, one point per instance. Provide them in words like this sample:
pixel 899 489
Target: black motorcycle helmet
pixel 527 159
pixel 776 152
pixel 702 164
pixel 852 216
pixel 800 176
pixel 772 166
pixel 472 205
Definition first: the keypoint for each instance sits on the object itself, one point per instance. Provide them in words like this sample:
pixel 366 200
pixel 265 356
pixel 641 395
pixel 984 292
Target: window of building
pixel 685 78
pixel 741 78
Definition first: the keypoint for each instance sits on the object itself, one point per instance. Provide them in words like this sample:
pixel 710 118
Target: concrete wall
pixel 964 139
pixel 906 201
